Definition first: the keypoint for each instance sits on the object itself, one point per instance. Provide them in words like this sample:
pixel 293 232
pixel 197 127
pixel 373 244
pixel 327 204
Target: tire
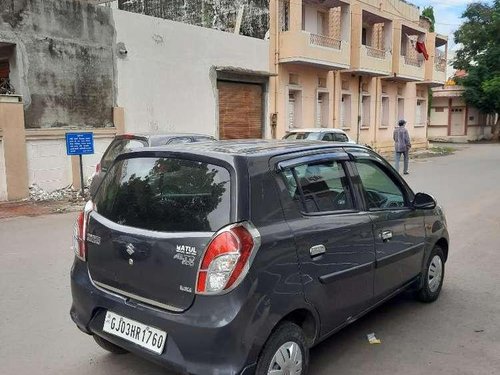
pixel 288 338
pixel 108 346
pixel 433 276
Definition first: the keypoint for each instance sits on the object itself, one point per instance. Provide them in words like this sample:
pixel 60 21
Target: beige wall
pixel 439 117
pixel 373 132
pixel 308 87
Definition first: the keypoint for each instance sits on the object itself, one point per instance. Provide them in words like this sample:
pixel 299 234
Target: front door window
pixel 380 191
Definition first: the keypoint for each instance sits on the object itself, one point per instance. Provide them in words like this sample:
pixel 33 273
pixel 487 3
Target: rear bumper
pixel 217 335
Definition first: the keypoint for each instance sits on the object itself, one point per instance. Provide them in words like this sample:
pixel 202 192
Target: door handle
pixel 386 235
pixel 317 250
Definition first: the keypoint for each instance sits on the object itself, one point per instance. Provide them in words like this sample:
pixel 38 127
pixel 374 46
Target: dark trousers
pixel 398 158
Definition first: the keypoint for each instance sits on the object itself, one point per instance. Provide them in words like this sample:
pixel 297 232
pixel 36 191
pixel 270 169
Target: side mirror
pixel 424 201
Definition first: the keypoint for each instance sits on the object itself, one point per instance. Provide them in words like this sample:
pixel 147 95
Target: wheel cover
pixel 435 273
pixel 287 360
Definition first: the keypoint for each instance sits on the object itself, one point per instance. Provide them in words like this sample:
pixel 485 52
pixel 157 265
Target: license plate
pixel 141 334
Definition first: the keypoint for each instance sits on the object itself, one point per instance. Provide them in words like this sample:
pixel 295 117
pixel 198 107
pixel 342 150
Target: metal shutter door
pixel 240 110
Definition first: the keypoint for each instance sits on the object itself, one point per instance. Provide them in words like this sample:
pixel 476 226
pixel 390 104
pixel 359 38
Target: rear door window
pixel 178 140
pixel 320 187
pixel 339 137
pixel 314 136
pixel 116 148
pixel 328 137
pixel 166 195
pixel 297 136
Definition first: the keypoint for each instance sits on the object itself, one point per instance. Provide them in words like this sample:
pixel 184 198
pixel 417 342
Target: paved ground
pixel 459 334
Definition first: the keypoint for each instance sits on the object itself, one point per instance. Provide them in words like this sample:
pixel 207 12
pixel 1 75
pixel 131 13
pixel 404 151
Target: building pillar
pixel 296 15
pixel 378 108
pixel 14 147
pixel 396 46
pixel 449 116
pixel 119 119
pixel 337 95
pixel 466 125
pixel 356 30
pixel 333 100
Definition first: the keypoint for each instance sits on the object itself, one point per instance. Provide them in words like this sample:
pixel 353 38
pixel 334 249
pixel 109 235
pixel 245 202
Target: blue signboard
pixel 79 143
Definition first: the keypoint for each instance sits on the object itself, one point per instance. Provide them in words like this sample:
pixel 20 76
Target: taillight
pixel 227 259
pixel 80 232
pixel 97 168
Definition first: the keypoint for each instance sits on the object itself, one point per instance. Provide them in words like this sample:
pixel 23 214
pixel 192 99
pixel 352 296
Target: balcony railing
pixel 325 41
pixel 440 61
pixel 5 87
pixel 413 61
pixel 375 52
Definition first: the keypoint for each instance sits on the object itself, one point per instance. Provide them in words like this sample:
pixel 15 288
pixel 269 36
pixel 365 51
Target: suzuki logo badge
pixel 130 249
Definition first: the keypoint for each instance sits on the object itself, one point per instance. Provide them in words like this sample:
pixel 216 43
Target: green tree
pixel 429 13
pixel 479 55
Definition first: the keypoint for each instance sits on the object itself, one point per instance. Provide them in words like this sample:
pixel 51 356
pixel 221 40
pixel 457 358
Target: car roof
pixel 315 130
pixel 251 148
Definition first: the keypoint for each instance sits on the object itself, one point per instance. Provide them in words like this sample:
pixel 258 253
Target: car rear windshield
pixel 304 135
pixel 166 195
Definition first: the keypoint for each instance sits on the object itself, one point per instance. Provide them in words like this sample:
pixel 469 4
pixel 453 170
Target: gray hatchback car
pixel 238 257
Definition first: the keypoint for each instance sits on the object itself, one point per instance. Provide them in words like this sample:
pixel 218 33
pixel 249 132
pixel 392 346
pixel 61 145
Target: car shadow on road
pixel 352 340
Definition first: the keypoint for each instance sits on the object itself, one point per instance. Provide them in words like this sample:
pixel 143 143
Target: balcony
pixel 315 32
pixel 372 42
pixel 375 61
pixel 411 68
pixel 409 64
pixel 314 49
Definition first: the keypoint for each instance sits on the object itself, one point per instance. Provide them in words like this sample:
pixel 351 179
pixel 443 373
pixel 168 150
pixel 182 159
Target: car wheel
pixel 433 276
pixel 285 353
pixel 108 346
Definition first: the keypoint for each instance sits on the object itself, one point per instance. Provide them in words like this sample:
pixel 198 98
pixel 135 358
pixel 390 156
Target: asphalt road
pixel 459 334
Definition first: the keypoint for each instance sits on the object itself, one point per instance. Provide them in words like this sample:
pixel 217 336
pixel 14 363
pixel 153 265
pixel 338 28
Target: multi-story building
pixel 352 64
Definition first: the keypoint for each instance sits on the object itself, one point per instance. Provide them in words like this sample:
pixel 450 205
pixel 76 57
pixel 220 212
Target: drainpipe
pixel 378 113
pixel 276 65
pixel 360 98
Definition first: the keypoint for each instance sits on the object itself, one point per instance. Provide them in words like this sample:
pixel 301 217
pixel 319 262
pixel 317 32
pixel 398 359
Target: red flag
pixel 420 47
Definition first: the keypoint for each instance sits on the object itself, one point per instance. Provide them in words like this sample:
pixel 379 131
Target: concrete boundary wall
pixel 51 169
pixel 38 156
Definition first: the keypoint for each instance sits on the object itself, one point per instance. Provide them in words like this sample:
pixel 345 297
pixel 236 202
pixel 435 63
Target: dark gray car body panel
pixel 225 334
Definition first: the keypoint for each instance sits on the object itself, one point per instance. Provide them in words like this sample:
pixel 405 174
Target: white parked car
pixel 319 134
